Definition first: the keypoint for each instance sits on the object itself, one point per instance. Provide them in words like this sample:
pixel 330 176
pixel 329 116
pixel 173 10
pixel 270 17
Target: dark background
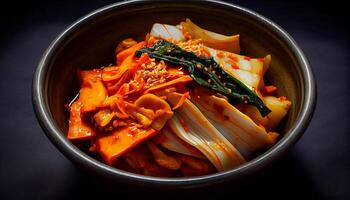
pixel 318 167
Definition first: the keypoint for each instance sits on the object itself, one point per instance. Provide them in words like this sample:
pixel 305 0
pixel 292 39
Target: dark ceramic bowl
pixel 90 43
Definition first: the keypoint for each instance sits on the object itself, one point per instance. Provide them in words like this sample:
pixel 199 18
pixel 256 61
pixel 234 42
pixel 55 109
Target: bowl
pixel 90 43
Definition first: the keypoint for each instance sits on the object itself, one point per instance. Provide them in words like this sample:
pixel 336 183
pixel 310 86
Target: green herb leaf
pixel 205 72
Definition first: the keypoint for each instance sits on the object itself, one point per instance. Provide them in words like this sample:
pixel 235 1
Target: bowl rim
pixel 76 155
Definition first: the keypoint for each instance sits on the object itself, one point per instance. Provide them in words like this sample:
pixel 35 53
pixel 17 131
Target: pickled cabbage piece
pixel 237 127
pixel 192 126
pixel 167 32
pixel 211 39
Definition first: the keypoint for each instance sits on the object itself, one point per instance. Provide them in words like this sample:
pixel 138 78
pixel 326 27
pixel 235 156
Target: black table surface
pixel 317 166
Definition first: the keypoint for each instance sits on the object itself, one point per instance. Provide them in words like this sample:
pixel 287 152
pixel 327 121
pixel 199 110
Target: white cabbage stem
pixel 237 127
pixel 172 142
pixel 191 125
pixel 167 32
